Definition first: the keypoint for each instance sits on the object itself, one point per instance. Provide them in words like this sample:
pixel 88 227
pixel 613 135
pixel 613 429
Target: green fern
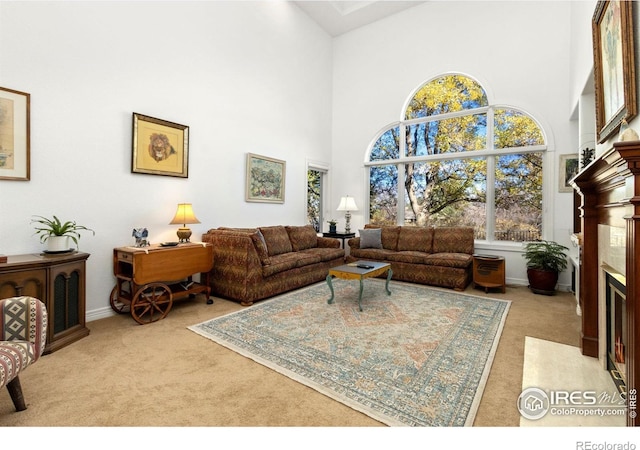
pixel 546 255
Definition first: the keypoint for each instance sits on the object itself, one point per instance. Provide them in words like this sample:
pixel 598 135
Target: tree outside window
pixel 459 161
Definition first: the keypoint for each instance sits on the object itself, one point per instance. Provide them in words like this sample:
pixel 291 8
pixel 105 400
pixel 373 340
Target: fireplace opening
pixel 616 330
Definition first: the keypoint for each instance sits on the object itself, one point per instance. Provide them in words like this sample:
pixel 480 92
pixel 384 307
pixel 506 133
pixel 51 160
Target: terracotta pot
pixel 542 281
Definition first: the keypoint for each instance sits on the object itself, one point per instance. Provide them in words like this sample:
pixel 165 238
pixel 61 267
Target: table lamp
pixel 347 204
pixel 184 215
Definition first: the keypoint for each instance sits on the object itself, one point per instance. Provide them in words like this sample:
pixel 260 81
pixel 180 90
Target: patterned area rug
pixel 419 357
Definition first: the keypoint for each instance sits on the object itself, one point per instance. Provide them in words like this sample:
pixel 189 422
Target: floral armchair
pixel 23 334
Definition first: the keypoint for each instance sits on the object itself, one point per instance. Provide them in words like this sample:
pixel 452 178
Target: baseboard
pixel 100 313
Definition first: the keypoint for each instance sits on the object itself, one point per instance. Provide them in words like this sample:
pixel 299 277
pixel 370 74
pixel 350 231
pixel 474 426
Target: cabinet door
pixel 32 283
pixel 66 298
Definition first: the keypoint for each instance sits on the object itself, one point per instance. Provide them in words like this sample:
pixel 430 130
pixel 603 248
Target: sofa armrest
pixel 354 242
pixel 233 252
pixel 326 242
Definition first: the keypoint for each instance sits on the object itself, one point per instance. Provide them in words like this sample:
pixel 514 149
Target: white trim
pixel 459 155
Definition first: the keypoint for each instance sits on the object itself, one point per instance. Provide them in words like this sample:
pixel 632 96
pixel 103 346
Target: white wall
pixel 581 55
pixel 519 51
pixel 254 77
pixel 244 76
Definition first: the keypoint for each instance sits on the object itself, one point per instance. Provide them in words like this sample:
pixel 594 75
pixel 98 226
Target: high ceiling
pixel 338 17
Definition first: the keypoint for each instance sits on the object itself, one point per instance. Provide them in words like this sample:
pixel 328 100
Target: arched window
pixel 455 159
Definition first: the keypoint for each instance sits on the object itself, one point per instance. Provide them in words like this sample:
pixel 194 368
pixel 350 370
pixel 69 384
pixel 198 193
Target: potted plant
pixel 545 260
pixel 332 225
pixel 57 233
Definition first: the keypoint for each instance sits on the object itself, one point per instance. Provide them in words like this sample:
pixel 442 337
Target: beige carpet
pixel 162 374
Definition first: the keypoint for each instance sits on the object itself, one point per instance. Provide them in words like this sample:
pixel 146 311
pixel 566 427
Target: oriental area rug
pixel 418 357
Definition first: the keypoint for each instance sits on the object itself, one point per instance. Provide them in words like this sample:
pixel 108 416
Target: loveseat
pixel 439 256
pixel 251 264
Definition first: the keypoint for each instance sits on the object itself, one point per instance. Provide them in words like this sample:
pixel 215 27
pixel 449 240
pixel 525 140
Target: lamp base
pixel 347 223
pixel 184 234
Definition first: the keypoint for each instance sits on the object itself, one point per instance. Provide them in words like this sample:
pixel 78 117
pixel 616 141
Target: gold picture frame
pixel 160 147
pixel 15 135
pixel 569 167
pixel 265 179
pixel 614 66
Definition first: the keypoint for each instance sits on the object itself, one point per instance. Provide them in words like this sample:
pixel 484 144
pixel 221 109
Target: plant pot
pixel 58 244
pixel 542 281
pixel 332 229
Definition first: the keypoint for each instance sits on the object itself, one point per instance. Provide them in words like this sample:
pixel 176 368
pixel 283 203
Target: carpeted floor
pixel 417 357
pixel 162 374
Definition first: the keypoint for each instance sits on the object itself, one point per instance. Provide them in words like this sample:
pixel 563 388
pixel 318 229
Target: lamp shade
pixel 347 204
pixel 184 215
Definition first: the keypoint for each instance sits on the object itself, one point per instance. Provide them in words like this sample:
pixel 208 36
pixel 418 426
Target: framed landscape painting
pixel 14 135
pixel 264 179
pixel 568 169
pixel 159 147
pixel 614 69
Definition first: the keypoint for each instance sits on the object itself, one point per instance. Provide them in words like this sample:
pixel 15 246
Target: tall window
pixel 315 195
pixel 454 159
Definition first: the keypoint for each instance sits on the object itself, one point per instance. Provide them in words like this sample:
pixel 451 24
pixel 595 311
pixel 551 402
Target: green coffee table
pixel 353 272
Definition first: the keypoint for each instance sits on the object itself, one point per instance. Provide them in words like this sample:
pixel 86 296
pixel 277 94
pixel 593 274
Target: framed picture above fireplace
pixel 614 67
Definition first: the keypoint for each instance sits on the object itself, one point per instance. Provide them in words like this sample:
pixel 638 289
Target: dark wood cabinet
pixel 59 281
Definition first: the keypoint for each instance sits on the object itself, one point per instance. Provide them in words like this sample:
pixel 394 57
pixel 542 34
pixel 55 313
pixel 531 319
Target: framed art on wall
pixel 614 67
pixel 15 140
pixel 264 179
pixel 159 147
pixel 568 169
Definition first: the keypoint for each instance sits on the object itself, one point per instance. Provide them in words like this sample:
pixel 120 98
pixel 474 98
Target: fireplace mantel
pixel 609 189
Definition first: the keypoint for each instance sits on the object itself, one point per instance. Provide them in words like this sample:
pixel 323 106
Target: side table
pixel 148 279
pixel 341 236
pixel 489 272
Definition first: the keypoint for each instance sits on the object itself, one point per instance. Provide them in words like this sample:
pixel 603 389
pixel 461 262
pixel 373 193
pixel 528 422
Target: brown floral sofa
pixel 251 264
pixel 439 256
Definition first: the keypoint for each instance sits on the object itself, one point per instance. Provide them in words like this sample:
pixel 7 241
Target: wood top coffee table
pixel 359 270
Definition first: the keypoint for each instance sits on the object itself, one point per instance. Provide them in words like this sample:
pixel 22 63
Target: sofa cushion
pixel 389 235
pixel 371 238
pixel 377 254
pixel 461 260
pixel 418 239
pixel 281 263
pixel 453 240
pixel 305 259
pixel 325 254
pixel 277 240
pixel 239 230
pixel 302 237
pixel 409 257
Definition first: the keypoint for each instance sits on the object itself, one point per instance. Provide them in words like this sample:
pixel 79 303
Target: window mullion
pixel 490 188
pixel 490 204
pixel 401 196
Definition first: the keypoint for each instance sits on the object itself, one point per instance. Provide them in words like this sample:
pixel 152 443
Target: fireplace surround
pixel 609 191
